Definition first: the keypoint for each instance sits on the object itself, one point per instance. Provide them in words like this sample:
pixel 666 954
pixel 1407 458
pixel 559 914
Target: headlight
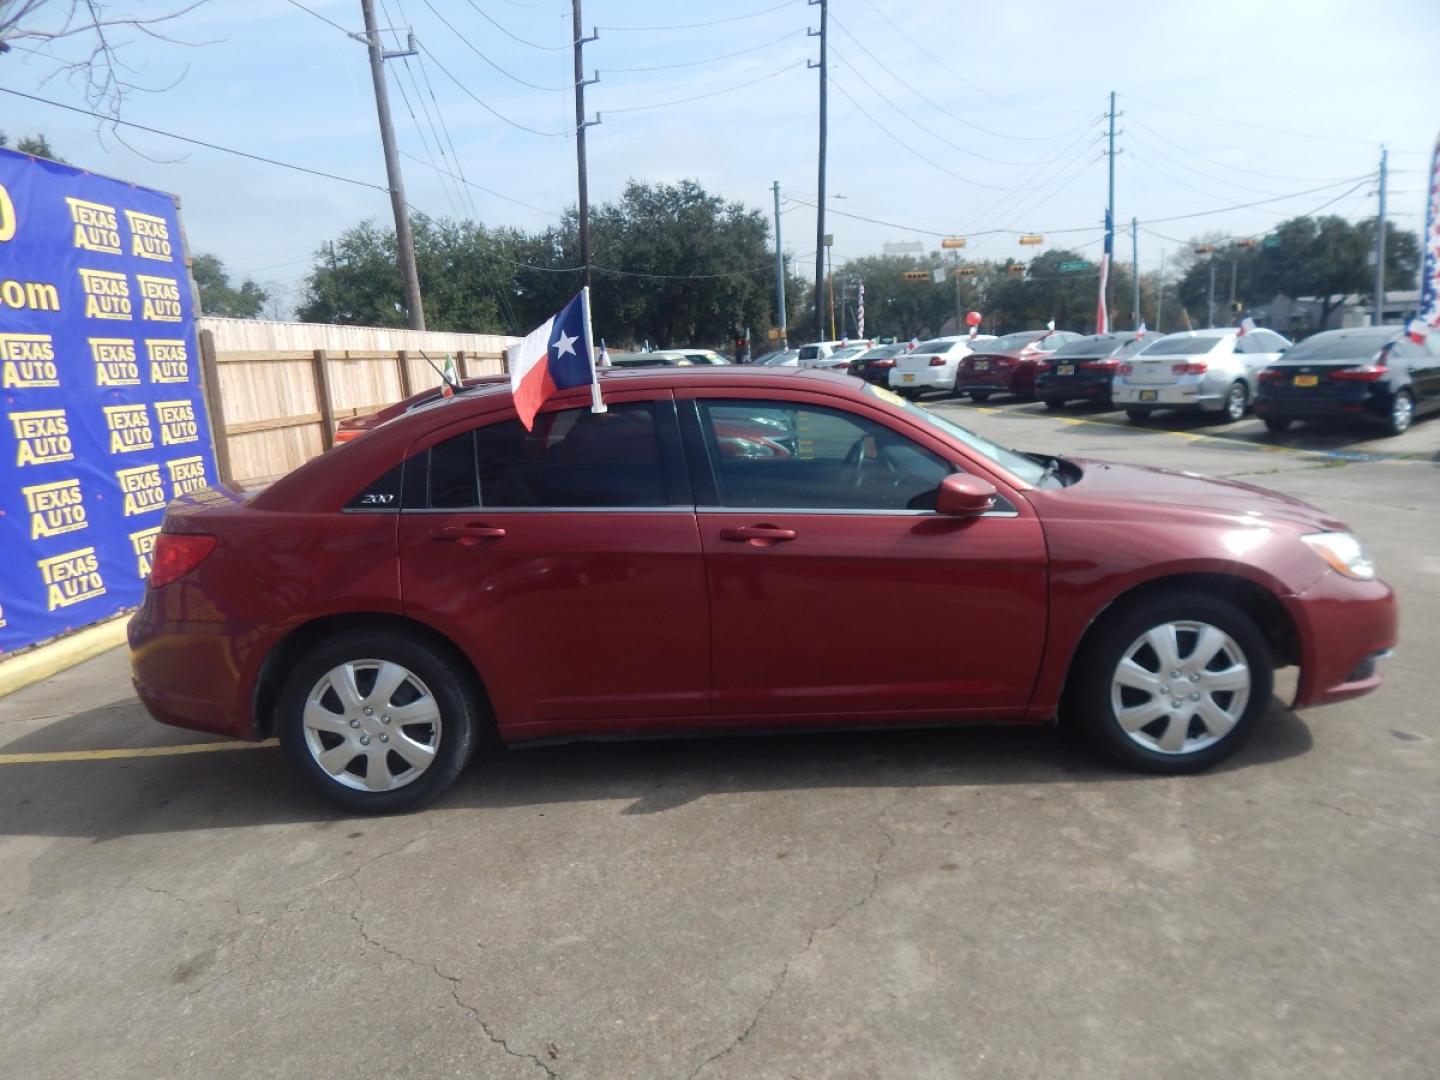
pixel 1344 553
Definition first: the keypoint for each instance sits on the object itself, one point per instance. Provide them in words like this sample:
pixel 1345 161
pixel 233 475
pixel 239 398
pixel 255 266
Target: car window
pixel 572 458
pixel 792 456
pixel 1183 345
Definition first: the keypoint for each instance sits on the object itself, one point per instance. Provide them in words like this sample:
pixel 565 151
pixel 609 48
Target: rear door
pixel 836 591
pixel 565 561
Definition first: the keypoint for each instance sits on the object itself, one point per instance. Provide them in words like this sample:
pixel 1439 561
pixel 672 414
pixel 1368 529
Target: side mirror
pixel 963 495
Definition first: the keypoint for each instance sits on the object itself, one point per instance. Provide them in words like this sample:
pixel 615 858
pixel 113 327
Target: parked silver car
pixel 1215 371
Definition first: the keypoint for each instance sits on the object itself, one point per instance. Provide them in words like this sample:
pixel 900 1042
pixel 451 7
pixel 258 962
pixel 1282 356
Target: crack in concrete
pixel 1377 820
pixel 453 984
pixel 875 870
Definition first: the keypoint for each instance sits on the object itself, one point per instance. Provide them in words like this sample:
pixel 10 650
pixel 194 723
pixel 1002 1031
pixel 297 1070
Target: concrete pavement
pixel 905 904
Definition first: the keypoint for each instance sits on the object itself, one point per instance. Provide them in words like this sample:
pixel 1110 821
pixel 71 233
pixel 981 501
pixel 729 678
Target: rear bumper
pixel 1181 395
pixel 1349 627
pixel 927 378
pixel 1071 388
pixel 1358 400
pixel 186 674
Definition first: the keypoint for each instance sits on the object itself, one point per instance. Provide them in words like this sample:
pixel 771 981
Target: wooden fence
pixel 276 390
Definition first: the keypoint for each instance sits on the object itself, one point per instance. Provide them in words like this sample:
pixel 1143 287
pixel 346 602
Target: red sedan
pixel 1008 365
pixel 451 574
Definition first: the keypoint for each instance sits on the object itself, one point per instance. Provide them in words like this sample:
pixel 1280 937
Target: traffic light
pixel 1236 306
pixel 1249 243
pixel 1015 268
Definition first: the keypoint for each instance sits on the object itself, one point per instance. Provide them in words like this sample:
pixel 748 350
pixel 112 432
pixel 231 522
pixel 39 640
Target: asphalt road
pixel 937 904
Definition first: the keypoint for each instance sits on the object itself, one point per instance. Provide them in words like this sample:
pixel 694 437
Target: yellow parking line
pixel 46 757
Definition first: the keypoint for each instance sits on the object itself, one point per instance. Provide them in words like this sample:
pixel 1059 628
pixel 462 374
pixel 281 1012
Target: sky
pixel 946 117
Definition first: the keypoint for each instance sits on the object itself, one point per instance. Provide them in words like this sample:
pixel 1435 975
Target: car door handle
pixel 467 535
pixel 757 535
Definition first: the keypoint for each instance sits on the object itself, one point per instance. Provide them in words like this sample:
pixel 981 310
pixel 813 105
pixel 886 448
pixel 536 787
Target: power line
pixel 708 59
pixel 1248 124
pixel 515 37
pixel 1189 168
pixel 322 18
pixel 941 108
pixel 453 195
pixel 471 46
pixel 1363 180
pixel 196 142
pixel 488 191
pixel 1224 164
pixel 701 97
pixel 486 106
pixel 454 155
pixel 710 22
pixel 1310 213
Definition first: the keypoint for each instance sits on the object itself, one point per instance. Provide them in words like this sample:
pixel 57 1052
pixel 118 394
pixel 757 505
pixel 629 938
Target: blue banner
pixel 102 421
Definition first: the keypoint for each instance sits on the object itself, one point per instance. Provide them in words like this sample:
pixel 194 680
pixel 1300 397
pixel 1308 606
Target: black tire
pixel 1402 413
pixel 1237 399
pixel 979 396
pixel 1137 416
pixel 1277 424
pixel 454 696
pixel 1054 404
pixel 1089 703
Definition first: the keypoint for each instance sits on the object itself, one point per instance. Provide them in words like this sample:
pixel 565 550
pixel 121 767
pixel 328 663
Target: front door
pixel 836 591
pixel 565 562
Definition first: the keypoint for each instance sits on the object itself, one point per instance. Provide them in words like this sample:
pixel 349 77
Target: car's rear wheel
pixel 1173 683
pixel 1137 416
pixel 1236 399
pixel 1277 424
pixel 1402 413
pixel 377 721
pixel 980 396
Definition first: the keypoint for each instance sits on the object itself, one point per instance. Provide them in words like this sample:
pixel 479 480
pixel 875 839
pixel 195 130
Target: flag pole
pixel 597 403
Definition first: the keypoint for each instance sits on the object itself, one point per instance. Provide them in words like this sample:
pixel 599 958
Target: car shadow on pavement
pixel 111 798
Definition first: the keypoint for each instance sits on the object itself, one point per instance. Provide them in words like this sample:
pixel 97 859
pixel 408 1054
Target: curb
pixel 47 660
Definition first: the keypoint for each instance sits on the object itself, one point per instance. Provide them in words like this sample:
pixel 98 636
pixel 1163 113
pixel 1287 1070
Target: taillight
pixel 176 554
pixel 882 363
pixel 1364 373
pixel 1187 369
pixel 1271 374
pixel 345 434
pixel 1126 369
pixel 1102 365
pixel 937 361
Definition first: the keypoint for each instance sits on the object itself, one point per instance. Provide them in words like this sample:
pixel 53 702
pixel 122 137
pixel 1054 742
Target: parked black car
pixel 873 365
pixel 1084 369
pixel 1371 372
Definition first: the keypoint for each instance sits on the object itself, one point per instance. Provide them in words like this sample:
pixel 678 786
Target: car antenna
pixel 453 383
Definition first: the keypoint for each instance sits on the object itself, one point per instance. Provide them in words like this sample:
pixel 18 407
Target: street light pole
pixel 1379 315
pixel 780 275
pixel 820 202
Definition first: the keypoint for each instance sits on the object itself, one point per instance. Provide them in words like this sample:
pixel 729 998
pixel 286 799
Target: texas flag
pixel 554 356
pixel 1140 331
pixel 1247 324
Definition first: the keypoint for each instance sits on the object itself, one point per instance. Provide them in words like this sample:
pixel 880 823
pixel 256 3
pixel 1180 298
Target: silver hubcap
pixel 1180 687
pixel 1236 404
pixel 1401 411
pixel 372 725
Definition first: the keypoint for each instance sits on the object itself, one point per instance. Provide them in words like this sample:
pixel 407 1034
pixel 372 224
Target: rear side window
pixel 571 459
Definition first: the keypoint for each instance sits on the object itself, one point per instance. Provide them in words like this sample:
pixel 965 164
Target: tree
pixel 36 145
pixel 218 296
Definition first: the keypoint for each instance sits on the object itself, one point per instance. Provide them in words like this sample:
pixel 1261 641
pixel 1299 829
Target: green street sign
pixel 1270 241
pixel 1066 267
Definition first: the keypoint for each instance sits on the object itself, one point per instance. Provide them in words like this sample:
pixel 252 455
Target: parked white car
pixel 932 364
pixel 1215 371
pixel 818 354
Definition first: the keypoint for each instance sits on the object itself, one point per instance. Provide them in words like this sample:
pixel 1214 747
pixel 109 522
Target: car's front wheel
pixel 377 721
pixel 1173 683
pixel 1236 400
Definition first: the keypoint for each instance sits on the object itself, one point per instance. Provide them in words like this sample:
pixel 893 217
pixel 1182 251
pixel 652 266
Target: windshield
pixel 847 352
pixel 1341 347
pixel 1015 463
pixel 782 358
pixel 935 345
pixel 1182 346
pixel 1014 341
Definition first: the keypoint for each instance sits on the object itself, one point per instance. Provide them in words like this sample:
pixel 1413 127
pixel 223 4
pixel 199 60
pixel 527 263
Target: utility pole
pixel 780 274
pixel 1379 316
pixel 1110 214
pixel 1210 300
pixel 404 238
pixel 1160 295
pixel 820 202
pixel 955 273
pixel 580 125
pixel 830 276
pixel 1234 265
pixel 1135 266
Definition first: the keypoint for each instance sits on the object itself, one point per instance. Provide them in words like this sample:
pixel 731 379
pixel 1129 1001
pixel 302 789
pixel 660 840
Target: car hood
pixel 1182 494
